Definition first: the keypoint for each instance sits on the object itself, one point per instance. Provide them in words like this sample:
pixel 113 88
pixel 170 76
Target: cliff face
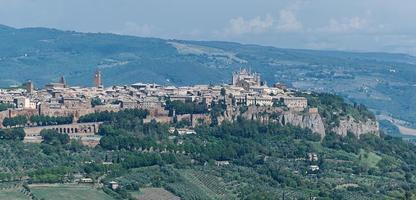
pixel 309 120
pixel 306 119
pixel 3 115
pixel 357 127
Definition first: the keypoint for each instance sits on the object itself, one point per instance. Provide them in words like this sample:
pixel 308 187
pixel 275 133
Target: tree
pixel 42 120
pixel 408 195
pixel 96 102
pixel 15 121
pixel 54 138
pixel 12 134
pixel 5 106
pixel 223 92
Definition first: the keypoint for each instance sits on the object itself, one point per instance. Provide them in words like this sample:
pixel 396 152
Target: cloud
pixel 239 25
pixel 345 25
pixel 288 22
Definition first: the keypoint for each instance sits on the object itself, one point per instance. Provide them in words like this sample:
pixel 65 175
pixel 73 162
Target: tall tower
pixel 97 79
pixel 62 81
pixel 29 87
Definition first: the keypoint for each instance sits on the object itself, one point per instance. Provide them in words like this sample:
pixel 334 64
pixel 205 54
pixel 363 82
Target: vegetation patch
pixel 369 158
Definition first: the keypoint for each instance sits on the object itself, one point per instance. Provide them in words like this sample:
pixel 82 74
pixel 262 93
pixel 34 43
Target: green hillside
pixel 259 161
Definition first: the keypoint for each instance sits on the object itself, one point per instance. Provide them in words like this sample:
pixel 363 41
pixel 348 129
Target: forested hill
pixel 384 82
pixel 244 159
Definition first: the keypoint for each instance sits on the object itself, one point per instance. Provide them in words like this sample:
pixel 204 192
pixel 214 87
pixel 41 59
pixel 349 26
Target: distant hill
pixel 384 82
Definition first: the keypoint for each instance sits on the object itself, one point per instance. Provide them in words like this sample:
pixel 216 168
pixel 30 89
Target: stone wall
pixel 79 131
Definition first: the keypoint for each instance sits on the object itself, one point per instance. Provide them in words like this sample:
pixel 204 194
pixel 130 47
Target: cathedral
pixel 246 79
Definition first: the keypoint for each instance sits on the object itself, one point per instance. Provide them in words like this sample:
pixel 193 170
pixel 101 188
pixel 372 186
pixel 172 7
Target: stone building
pixel 259 100
pixel 298 103
pixel 85 132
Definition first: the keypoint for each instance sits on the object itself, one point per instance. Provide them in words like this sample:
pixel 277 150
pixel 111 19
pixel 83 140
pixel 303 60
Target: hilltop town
pixel 246 95
pixel 191 139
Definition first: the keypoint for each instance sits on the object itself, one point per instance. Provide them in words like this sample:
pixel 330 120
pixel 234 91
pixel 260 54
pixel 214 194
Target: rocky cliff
pixel 311 120
pixel 3 115
pixel 356 127
pixel 304 119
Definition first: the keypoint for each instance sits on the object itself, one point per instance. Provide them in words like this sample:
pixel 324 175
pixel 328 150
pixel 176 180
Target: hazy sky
pixel 362 25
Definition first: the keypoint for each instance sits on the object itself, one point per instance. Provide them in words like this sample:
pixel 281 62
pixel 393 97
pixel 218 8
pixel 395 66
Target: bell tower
pixel 97 79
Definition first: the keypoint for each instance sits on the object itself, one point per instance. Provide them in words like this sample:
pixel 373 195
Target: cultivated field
pixel 68 192
pixel 212 186
pixel 14 194
pixel 155 194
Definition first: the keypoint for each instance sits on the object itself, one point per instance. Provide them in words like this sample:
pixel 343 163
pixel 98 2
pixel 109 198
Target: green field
pixel 68 192
pixel 14 194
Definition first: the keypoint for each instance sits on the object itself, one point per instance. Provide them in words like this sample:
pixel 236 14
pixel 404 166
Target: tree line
pixel 187 107
pixel 5 106
pixel 39 120
pixel 107 116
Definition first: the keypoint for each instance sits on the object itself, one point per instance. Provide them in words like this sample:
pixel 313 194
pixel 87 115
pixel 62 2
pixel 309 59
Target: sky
pixel 353 25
